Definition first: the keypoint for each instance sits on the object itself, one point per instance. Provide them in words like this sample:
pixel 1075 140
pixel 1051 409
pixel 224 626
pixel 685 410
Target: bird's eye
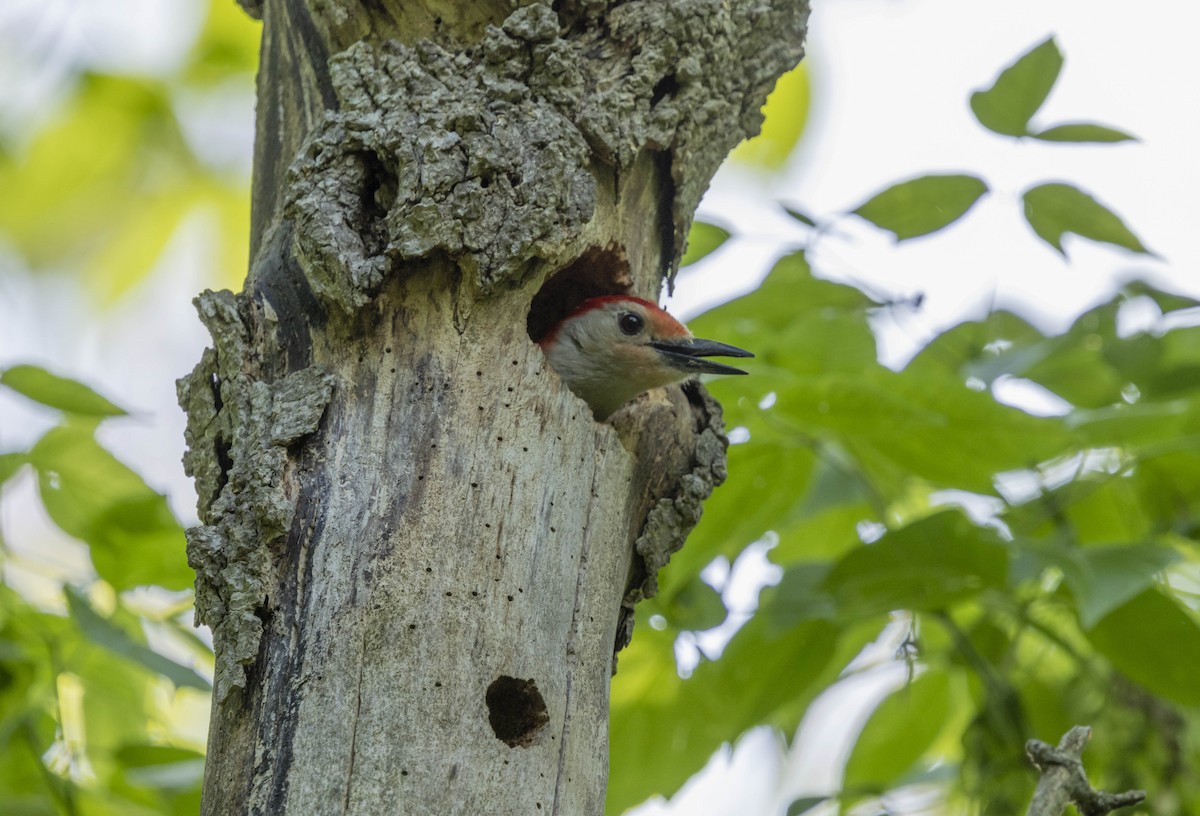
pixel 630 323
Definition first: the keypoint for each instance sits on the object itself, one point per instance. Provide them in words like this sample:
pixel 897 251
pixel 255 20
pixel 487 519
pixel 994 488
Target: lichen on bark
pixel 700 460
pixel 688 77
pixel 490 155
pixel 434 152
pixel 239 428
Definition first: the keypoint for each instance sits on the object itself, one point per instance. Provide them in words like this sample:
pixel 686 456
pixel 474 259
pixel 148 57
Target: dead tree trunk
pixel 418 550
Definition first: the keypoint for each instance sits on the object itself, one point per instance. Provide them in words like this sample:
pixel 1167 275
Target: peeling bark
pixel 419 552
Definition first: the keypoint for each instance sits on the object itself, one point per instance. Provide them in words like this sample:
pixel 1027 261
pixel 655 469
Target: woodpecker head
pixel 612 348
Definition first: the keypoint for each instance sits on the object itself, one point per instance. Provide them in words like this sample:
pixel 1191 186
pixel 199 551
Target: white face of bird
pixel 613 348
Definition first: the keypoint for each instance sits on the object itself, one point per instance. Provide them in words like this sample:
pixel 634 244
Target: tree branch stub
pixel 1063 779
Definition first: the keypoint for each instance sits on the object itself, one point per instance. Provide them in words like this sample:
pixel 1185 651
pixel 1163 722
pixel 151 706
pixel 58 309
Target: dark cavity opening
pixel 516 711
pixel 595 273
pixel 214 382
pixel 664 88
pixel 222 447
pixel 377 195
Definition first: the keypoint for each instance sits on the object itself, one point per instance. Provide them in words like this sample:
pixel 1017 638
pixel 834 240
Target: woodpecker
pixel 612 348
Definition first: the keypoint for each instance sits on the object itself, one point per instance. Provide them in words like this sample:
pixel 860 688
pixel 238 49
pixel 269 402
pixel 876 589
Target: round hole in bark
pixel 516 710
pixel 598 271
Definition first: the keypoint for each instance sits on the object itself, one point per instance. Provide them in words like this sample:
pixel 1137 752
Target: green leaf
pixel 790 294
pixel 1169 484
pixel 129 253
pixel 1042 703
pixel 228 47
pixel 1107 577
pixel 164 767
pixel 88 171
pixel 761 473
pixel 928 565
pixel 1084 132
pixel 103 632
pixel 1136 426
pixel 1156 643
pixel 1100 509
pixel 703 240
pixel 803 805
pixel 1101 578
pixel 134 538
pixel 922 205
pixel 1072 367
pixel 1053 210
pixel 800 596
pixel 10 463
pixel 695 606
pixel 791 311
pixel 64 394
pixel 1079 365
pixel 1019 91
pixel 117 701
pixel 1177 369
pixel 977 348
pixel 930 426
pixel 785 114
pixel 826 533
pixel 138 542
pixel 762 677
pixel 108 178
pixel 836 482
pixel 900 731
pixel 1167 301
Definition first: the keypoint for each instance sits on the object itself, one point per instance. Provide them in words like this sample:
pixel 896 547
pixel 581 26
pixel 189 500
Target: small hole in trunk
pixel 516 711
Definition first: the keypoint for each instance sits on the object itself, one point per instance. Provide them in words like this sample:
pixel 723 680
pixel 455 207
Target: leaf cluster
pixel 927 204
pixel 1039 568
pixel 1030 561
pixel 121 164
pixel 91 675
pixel 102 678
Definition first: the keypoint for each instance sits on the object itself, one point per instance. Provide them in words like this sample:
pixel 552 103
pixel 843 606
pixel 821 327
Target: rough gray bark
pixel 418 551
pixel 1064 781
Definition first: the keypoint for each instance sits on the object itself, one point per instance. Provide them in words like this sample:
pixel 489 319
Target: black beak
pixel 687 353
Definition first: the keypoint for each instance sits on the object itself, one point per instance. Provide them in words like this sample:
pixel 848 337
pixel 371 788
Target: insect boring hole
pixel 516 711
pixel 598 271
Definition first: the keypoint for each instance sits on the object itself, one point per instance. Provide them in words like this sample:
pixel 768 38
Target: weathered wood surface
pixel 418 550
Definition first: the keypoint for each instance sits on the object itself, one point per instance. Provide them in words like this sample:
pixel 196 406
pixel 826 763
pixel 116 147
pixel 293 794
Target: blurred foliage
pixel 922 205
pixel 102 186
pixel 786 114
pixel 1032 572
pixel 1019 92
pixel 1046 566
pixel 1056 209
pixel 703 240
pixel 87 721
pixel 102 678
pixel 1033 565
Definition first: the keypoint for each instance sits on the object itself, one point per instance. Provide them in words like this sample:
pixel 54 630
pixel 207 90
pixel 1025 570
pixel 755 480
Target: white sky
pixel 891 78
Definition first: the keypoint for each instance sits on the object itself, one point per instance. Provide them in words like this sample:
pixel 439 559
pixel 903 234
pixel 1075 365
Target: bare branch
pixel 1064 780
